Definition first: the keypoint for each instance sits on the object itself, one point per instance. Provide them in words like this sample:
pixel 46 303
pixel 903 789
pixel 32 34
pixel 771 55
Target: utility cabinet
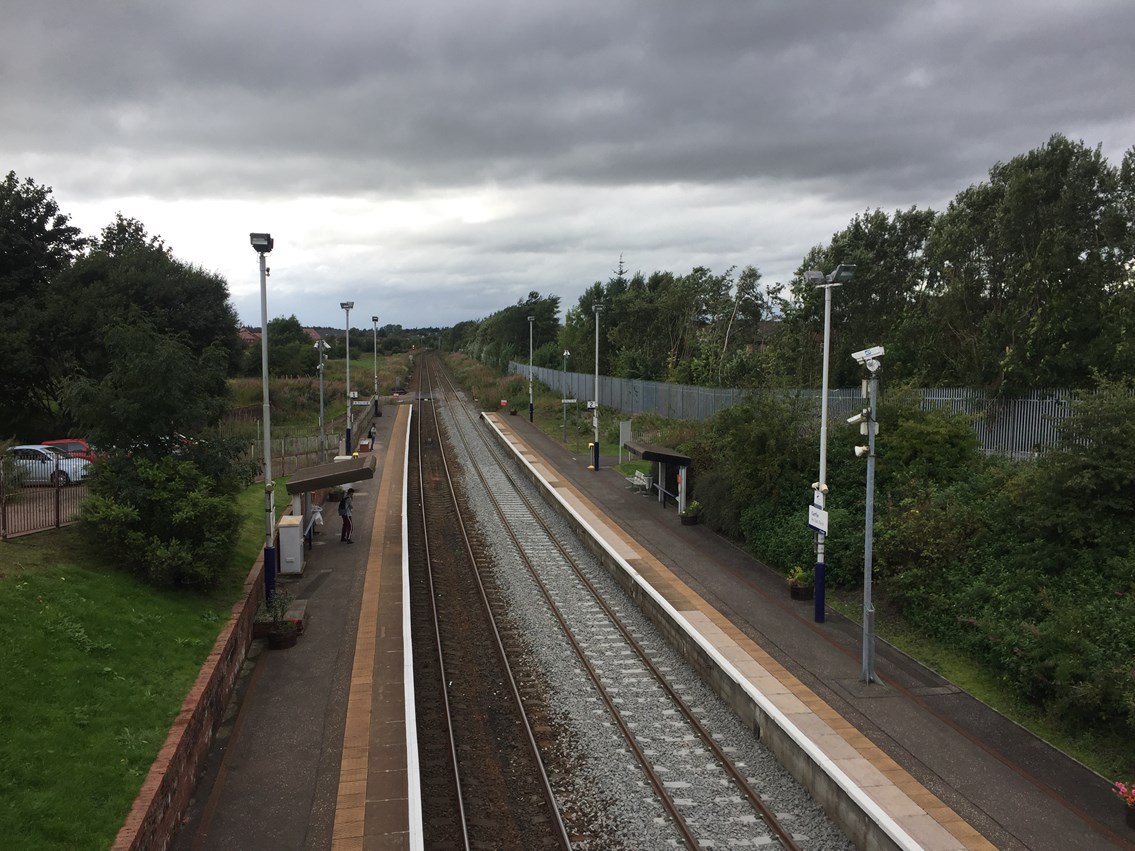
pixel 291 544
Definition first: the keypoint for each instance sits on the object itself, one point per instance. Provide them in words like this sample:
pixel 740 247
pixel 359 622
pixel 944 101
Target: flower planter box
pixel 800 592
pixel 297 613
pixel 689 519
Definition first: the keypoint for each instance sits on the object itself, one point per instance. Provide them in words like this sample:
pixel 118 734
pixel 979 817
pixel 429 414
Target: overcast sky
pixel 436 161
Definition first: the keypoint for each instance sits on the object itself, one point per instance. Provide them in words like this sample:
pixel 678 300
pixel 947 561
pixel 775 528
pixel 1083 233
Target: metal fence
pixel 32 508
pixel 1019 427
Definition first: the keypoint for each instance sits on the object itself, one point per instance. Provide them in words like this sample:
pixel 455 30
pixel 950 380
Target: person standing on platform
pixel 345 512
pixel 370 437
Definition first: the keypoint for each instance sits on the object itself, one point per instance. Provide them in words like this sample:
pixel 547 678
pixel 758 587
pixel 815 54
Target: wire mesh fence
pixel 1018 427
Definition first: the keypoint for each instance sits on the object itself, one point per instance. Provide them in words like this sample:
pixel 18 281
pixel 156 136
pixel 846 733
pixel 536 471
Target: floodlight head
pixel 531 318
pixel 262 242
pixel 815 277
pixel 567 354
pixel 346 305
pixel 374 319
pixel 843 273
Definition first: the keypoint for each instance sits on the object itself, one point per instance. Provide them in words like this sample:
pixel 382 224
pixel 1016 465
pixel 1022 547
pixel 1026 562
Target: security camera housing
pixel 872 353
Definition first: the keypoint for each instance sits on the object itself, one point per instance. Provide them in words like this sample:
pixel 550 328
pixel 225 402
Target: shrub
pixel 163 518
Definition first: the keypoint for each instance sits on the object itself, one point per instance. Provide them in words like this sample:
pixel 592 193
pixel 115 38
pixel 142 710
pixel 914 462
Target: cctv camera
pixel 868 354
pixel 858 418
pixel 861 451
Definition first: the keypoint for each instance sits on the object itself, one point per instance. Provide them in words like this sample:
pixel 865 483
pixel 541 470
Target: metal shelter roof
pixel 335 473
pixel 649 452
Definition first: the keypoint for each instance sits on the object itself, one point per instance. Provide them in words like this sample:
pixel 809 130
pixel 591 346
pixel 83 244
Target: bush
pixel 163 518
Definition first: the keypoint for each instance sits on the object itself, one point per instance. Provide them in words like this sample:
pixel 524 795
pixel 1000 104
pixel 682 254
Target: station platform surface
pixel 313 755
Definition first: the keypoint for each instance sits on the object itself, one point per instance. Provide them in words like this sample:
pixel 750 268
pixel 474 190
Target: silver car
pixel 37 464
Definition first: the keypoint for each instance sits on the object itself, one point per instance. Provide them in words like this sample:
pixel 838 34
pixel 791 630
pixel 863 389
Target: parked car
pixel 76 446
pixel 37 464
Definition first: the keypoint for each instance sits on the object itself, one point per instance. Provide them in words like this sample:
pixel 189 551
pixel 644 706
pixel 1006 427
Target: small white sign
pixel 818 519
pixel 569 401
pixel 592 405
pixel 817 499
pixel 354 394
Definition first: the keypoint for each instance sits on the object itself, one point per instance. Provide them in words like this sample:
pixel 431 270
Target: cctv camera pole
pixel 595 413
pixel 868 536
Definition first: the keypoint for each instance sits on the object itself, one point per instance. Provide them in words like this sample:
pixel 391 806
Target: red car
pixel 76 446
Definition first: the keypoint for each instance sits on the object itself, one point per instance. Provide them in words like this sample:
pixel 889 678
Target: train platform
pixel 315 752
pixel 934 766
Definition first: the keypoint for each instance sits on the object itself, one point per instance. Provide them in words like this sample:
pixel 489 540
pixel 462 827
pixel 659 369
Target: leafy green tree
pixel 1034 270
pixel 37 243
pixel 876 308
pixel 157 387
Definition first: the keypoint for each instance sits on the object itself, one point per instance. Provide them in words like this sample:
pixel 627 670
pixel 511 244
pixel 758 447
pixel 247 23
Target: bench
pixel 640 482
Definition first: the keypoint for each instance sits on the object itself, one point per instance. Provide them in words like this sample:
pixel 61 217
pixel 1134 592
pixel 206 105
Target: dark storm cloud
pixel 656 127
pixel 339 97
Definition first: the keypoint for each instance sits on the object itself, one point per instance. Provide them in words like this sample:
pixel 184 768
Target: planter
pixel 281 639
pixel 1131 817
pixel 689 519
pixel 800 592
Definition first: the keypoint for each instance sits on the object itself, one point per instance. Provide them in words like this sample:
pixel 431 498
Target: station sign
pixel 818 519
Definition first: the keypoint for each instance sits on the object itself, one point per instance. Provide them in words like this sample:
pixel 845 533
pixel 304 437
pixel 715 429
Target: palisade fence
pixel 1017 427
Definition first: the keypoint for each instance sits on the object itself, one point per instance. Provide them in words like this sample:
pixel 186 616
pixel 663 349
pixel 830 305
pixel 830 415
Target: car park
pixel 37 464
pixel 76 446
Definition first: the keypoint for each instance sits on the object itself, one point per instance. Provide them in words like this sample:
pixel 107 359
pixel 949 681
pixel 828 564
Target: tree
pixel 876 308
pixel 38 243
pixel 1034 269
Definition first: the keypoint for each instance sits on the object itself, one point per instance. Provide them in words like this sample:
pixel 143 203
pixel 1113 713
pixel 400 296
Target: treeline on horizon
pixel 1025 281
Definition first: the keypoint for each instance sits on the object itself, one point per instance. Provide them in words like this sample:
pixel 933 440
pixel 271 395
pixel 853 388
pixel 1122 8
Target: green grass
pixel 95 667
pixel 1109 755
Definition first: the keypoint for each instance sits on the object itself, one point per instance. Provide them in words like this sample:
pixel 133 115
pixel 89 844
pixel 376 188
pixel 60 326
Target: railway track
pixel 693 792
pixel 484 784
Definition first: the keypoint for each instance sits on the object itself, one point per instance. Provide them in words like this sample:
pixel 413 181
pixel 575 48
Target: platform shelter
pixel 672 470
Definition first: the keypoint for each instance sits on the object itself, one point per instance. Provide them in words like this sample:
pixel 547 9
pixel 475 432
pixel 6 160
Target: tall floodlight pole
pixel 595 412
pixel 347 305
pixel 530 406
pixel 263 244
pixel 841 275
pixel 374 319
pixel 869 425
pixel 321 347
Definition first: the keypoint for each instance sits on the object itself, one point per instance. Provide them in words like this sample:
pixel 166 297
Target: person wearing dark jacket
pixel 345 512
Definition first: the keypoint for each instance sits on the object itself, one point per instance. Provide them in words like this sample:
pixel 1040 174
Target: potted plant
pixel 284 630
pixel 1126 793
pixel 690 514
pixel 800 583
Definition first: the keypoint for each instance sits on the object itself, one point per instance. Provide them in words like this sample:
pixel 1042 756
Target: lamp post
pixel 263 244
pixel 347 305
pixel 869 425
pixel 567 354
pixel 595 412
pixel 530 407
pixel 374 319
pixel 842 274
pixel 320 347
